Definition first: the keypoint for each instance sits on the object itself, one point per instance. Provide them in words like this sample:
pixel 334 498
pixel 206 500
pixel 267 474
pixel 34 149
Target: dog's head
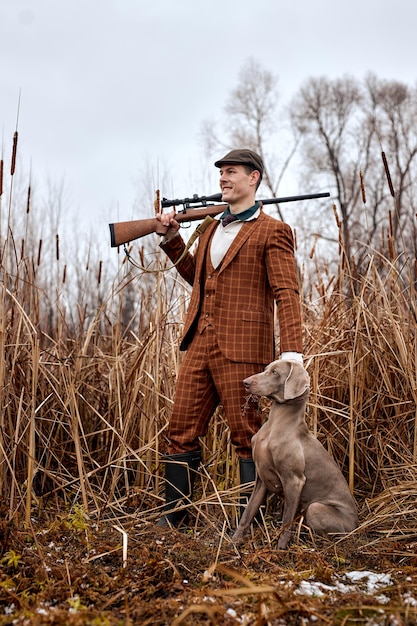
pixel 281 380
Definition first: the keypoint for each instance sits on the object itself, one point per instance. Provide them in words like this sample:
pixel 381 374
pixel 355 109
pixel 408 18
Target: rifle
pixel 195 208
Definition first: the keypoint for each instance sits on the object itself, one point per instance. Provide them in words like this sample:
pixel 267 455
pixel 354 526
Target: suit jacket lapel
pixel 245 232
pixel 203 242
pixel 235 246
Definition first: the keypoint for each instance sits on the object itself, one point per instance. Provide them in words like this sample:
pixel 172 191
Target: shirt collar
pixel 245 215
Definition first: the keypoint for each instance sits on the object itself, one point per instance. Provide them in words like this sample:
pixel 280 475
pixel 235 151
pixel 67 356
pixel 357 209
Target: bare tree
pixel 327 114
pixel 347 126
pixel 394 106
pixel 250 121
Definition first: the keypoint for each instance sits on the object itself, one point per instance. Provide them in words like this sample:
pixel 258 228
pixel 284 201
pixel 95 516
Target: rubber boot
pixel 180 472
pixel 247 472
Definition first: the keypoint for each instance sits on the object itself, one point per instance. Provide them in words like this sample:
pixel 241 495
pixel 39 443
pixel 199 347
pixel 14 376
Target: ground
pixel 73 571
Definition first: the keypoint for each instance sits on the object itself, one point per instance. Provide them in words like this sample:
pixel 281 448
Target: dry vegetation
pixel 83 415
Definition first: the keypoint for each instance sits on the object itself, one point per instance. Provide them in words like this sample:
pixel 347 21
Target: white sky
pixel 108 86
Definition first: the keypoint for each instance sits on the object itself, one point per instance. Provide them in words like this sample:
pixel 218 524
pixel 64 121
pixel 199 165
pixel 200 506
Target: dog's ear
pixel 297 381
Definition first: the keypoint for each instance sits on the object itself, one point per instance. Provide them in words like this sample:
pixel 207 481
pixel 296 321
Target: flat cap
pixel 242 157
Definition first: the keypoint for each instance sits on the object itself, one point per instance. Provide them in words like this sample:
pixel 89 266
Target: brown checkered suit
pixel 258 268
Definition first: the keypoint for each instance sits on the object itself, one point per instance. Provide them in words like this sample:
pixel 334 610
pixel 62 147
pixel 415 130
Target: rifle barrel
pixel 217 197
pixel 307 196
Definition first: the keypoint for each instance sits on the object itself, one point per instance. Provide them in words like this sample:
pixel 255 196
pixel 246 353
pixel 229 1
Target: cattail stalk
pixel 363 192
pixel 28 199
pixel 336 217
pixel 313 249
pixel 388 174
pixel 14 151
pixel 157 202
pixel 39 252
pixel 57 247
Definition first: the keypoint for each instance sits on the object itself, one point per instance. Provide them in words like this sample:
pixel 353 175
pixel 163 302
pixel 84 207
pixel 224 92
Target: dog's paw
pixel 284 540
pixel 237 537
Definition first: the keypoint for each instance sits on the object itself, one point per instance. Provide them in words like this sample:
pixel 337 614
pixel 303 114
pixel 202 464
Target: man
pixel 243 263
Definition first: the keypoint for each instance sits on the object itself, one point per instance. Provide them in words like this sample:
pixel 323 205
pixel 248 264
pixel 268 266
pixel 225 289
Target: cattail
pixel 362 187
pixel 387 172
pixel 100 266
pixel 28 199
pixel 1 177
pixel 57 247
pixel 295 239
pixel 157 202
pixel 22 250
pixel 336 217
pixel 13 165
pixel 64 275
pixel 39 252
pixel 313 249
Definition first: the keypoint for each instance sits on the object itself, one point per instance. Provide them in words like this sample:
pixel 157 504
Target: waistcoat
pixel 209 294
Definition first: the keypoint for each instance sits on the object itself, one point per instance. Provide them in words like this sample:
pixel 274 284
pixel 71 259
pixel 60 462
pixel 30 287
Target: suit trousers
pixel 205 380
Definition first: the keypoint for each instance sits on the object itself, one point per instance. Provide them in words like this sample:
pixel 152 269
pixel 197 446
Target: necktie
pixel 228 219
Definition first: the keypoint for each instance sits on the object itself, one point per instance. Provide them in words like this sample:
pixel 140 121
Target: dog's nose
pixel 246 383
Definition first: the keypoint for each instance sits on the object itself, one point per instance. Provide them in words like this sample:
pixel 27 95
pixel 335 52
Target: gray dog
pixel 292 463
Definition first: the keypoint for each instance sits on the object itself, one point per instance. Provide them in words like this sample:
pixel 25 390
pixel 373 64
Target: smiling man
pixel 243 264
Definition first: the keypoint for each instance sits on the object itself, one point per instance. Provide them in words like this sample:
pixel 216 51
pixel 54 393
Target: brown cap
pixel 243 157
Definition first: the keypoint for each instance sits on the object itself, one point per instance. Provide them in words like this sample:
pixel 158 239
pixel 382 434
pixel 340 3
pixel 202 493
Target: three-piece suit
pixel 230 328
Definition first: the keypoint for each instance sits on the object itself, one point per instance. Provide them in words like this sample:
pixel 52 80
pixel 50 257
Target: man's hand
pixel 168 220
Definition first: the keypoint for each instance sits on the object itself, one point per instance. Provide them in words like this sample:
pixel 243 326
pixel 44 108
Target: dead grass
pixel 83 417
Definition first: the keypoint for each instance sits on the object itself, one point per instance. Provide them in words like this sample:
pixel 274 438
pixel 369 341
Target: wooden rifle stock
pixel 123 232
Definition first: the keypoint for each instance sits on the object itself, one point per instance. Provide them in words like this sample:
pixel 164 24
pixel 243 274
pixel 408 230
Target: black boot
pixel 180 472
pixel 247 471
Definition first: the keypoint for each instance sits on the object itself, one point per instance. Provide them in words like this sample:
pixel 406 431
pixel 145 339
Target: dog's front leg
pixel 292 490
pixel 257 498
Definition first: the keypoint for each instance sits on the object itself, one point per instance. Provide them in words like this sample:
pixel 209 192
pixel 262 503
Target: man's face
pixel 236 184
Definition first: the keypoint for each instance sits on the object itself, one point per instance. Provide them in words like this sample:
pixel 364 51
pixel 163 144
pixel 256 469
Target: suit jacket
pixel 258 269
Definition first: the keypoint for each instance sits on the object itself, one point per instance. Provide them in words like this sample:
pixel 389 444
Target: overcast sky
pixel 108 86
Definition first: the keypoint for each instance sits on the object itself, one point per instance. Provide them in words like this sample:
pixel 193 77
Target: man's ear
pixel 254 177
pixel 297 382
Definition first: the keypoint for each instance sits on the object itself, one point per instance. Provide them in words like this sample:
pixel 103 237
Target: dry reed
pixel 85 408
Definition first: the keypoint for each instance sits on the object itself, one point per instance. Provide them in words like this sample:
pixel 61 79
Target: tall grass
pixel 84 408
